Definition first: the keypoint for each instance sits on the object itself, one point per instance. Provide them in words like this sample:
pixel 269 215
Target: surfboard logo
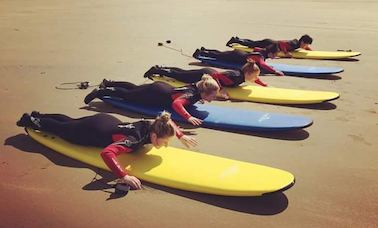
pixel 265 117
pixel 130 141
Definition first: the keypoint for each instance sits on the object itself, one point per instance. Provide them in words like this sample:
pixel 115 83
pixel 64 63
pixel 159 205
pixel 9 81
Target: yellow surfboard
pixel 268 94
pixel 182 169
pixel 304 54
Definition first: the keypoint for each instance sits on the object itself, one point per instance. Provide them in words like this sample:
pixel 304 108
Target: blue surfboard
pixel 223 118
pixel 296 70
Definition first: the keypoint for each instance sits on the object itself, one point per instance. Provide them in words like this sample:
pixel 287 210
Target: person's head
pixel 305 41
pixel 162 130
pixel 251 71
pixel 208 88
pixel 271 51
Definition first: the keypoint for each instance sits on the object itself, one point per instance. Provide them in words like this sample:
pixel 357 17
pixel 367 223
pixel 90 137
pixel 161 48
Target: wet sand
pixel 44 43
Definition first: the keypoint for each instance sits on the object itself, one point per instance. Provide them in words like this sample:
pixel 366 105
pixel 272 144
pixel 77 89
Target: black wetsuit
pixel 240 57
pixel 234 56
pixel 158 94
pixel 97 130
pixel 100 130
pixel 284 45
pixel 226 78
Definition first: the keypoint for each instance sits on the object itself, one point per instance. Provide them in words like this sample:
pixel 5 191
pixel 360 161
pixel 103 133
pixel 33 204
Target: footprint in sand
pixel 342 118
pixel 371 111
pixel 4 163
pixel 357 138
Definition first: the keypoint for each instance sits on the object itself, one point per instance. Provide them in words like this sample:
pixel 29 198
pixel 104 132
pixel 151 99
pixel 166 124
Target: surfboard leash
pixel 74 85
pixel 161 44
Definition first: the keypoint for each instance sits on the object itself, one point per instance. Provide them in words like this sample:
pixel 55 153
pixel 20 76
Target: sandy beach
pixel 335 161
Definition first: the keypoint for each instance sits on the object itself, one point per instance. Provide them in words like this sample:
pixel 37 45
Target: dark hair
pixel 306 39
pixel 273 48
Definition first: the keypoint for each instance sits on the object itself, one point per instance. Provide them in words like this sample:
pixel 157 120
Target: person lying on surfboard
pixel 286 46
pixel 230 78
pixel 106 131
pixel 160 94
pixel 242 57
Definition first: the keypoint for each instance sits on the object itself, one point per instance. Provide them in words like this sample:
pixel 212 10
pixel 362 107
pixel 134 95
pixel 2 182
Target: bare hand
pixel 195 121
pixel 132 181
pixel 223 94
pixel 188 141
pixel 279 73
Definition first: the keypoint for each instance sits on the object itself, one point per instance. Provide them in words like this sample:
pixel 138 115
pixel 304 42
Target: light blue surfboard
pixel 296 70
pixel 223 118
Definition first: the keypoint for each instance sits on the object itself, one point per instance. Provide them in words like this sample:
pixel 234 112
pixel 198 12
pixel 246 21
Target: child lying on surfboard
pixel 286 46
pixel 242 57
pixel 106 131
pixel 230 78
pixel 160 94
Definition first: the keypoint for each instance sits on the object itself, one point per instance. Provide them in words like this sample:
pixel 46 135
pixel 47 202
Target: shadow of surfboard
pixel 270 204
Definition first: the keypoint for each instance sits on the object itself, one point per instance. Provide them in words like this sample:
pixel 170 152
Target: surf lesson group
pixel 179 95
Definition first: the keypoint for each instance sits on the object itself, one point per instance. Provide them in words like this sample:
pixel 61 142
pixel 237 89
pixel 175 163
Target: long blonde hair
pixel 162 126
pixel 207 85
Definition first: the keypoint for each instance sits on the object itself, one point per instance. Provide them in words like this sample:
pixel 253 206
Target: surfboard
pixel 295 70
pixel 181 169
pixel 223 118
pixel 267 94
pixel 305 54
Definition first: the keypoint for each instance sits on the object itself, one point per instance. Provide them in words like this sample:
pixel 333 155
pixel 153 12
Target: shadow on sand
pixel 270 204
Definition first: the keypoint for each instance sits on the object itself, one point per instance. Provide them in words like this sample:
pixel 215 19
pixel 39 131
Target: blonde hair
pixel 250 67
pixel 162 126
pixel 207 84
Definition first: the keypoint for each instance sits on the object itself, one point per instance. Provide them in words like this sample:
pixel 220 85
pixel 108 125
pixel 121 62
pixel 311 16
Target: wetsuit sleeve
pixel 178 105
pixel 262 64
pixel 222 79
pixel 259 82
pixel 109 155
pixel 179 133
pixel 266 67
pixel 283 46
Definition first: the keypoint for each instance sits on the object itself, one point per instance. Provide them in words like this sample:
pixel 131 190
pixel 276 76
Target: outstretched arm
pixel 263 65
pixel 178 105
pixel 109 155
pixel 259 82
pixel 188 141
